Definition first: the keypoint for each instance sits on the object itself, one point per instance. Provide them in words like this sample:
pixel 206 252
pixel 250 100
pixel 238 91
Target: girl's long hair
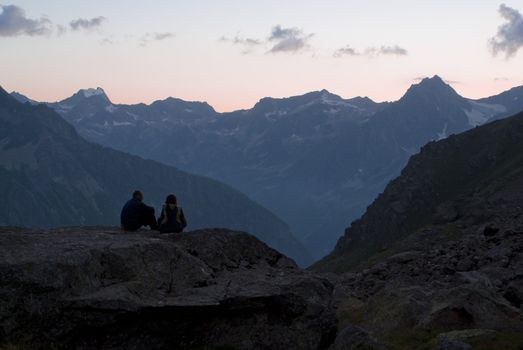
pixel 171 199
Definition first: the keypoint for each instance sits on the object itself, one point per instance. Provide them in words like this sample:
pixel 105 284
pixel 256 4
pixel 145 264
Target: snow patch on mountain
pixel 329 100
pixel 443 134
pixel 476 117
pixel 409 150
pixel 480 113
pixel 295 138
pixel 64 108
pixel 92 92
pixel 133 115
pixel 115 123
pixel 279 113
pixel 111 108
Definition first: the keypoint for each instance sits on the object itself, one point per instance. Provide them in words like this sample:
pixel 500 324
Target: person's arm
pixel 160 219
pixel 150 217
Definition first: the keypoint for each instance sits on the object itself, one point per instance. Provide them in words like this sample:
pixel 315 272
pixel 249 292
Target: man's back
pixel 136 214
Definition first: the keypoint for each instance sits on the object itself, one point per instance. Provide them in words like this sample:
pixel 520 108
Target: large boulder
pixel 98 287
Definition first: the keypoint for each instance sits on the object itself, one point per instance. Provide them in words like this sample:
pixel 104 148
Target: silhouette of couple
pixel 135 214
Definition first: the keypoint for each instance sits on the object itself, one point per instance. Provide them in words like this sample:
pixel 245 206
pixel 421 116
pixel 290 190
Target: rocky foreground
pixel 448 287
pixel 451 286
pixel 100 288
pixel 436 262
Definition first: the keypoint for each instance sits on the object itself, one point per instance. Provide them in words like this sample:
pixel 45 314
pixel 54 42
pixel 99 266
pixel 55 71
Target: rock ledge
pixel 97 287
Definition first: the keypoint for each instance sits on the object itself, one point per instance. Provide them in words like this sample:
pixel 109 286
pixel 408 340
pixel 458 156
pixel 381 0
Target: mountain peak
pixel 82 95
pixel 361 100
pixel 22 98
pixel 92 92
pixel 293 102
pixel 431 87
pixel 5 96
pixel 434 81
pixel 177 104
pixel 2 91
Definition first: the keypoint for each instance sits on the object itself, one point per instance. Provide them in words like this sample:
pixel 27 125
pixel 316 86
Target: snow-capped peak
pixel 93 92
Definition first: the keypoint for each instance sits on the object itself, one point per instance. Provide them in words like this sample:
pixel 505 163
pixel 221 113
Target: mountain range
pixel 50 176
pixel 316 160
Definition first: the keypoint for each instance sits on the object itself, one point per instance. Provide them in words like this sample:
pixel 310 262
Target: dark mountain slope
pixel 436 261
pixel 468 177
pixel 52 177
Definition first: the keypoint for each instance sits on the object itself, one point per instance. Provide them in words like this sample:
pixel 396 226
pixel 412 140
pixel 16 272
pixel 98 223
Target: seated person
pixel 172 218
pixel 136 214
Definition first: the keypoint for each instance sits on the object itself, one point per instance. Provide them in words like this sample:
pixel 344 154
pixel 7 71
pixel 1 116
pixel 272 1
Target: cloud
pixel 248 44
pixel 371 51
pixel 501 79
pixel 238 40
pixel 345 51
pixel 106 41
pixel 87 24
pixel 150 37
pixel 509 37
pixel 393 50
pixel 61 30
pixel 288 40
pixel 13 22
pixel 386 51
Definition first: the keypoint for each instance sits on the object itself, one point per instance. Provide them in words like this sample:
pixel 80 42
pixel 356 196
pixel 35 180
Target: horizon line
pixel 415 81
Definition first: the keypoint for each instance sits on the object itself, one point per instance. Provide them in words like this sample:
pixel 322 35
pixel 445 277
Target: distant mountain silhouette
pixel 22 98
pixel 317 160
pixel 50 176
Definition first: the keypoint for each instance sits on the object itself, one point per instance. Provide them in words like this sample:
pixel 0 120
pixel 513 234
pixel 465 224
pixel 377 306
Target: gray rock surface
pixel 436 286
pixel 459 340
pixel 98 287
pixel 440 252
pixel 355 338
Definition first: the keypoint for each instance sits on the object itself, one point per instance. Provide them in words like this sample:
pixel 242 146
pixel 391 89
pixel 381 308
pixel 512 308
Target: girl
pixel 172 218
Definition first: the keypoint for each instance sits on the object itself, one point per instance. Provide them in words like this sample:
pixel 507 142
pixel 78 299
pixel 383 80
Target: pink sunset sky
pixel 231 53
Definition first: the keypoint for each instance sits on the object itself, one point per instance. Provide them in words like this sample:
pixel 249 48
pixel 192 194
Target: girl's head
pixel 171 199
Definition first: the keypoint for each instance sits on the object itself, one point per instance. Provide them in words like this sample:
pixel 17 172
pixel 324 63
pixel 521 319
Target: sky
pixel 231 53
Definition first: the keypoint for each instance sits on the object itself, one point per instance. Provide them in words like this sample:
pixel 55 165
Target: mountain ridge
pixel 517 89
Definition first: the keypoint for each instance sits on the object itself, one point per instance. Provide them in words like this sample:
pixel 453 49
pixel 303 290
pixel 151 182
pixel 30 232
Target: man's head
pixel 138 195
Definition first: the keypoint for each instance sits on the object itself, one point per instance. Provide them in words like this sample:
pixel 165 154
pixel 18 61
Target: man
pixel 136 214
